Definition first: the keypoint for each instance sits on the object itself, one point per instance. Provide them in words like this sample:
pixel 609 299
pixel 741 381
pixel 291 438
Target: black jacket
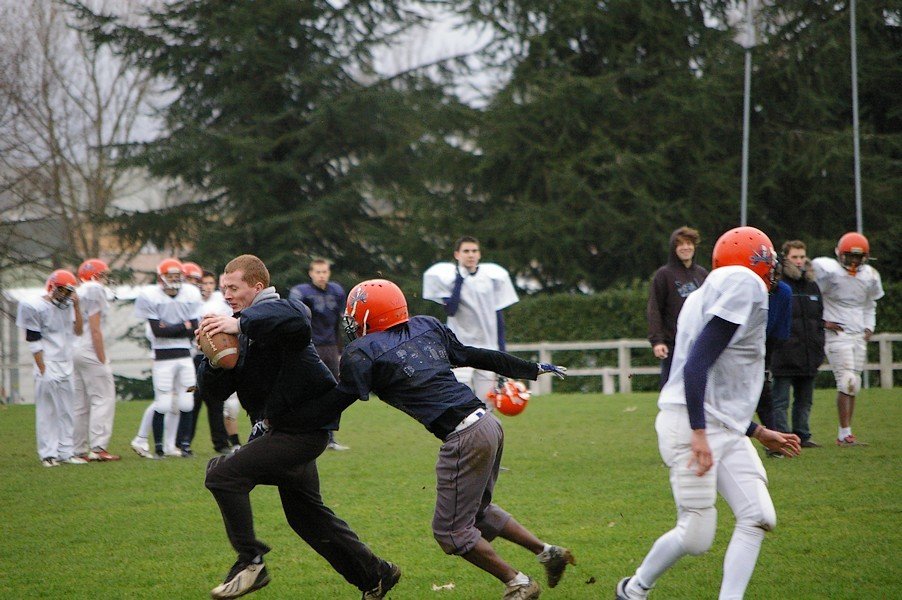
pixel 803 352
pixel 279 375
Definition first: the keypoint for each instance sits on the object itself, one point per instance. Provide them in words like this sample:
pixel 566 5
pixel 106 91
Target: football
pixel 221 349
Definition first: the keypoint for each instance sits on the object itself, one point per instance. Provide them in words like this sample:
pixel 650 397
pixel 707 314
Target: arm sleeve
pixel 653 311
pixel 32 335
pixel 452 303
pixel 779 313
pixel 501 332
pixel 709 345
pixel 176 330
pixel 489 360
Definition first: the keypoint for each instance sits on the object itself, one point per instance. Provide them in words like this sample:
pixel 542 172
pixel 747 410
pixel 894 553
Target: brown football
pixel 221 349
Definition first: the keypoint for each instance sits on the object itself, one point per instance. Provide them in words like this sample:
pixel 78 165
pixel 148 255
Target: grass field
pixel 584 472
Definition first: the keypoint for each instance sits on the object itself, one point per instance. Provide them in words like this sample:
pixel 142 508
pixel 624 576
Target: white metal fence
pixel 618 377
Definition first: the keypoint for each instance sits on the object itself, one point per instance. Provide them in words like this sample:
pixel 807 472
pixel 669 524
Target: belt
pixel 470 419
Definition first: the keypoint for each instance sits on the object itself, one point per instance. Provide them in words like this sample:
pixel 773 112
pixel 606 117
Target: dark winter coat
pixel 669 288
pixel 803 352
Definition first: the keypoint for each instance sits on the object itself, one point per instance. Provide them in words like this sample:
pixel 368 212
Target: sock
pixel 844 432
pixel 234 440
pixel 520 579
pixel 157 426
pixel 546 548
pixel 186 418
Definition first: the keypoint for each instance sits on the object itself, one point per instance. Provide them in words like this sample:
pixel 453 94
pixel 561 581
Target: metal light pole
pixel 748 43
pixel 855 135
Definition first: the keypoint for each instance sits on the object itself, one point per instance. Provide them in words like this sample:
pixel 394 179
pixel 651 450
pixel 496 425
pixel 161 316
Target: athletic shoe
pixel 49 462
pixel 74 460
pixel 186 452
pixel 243 578
pixel 555 560
pixel 622 593
pixel 525 591
pixel 102 455
pixel 386 583
pixel 173 452
pixel 337 446
pixel 849 440
pixel 141 448
pixel 810 444
pixel 233 449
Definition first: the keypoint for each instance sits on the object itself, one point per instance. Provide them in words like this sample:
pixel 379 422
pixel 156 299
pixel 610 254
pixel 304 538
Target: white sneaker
pixel 49 462
pixel 141 448
pixel 74 460
pixel 235 449
pixel 242 579
pixel 173 452
pixel 337 446
pixel 623 591
pixel 525 591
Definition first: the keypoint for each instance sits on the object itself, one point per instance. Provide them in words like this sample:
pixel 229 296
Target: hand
pixel 219 323
pixel 701 452
pixel 553 369
pixel 787 444
pixel 259 428
pixel 660 351
pixel 867 335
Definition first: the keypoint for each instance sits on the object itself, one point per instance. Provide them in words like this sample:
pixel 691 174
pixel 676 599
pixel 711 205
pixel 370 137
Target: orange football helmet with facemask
pixel 60 287
pixel 93 268
pixel 747 247
pixel 852 251
pixel 374 305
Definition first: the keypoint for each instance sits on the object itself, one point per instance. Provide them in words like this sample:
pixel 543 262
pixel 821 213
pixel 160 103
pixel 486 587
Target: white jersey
pixel 735 294
pixel 850 300
pixel 216 305
pixel 56 326
pixel 483 293
pixel 93 300
pixel 154 304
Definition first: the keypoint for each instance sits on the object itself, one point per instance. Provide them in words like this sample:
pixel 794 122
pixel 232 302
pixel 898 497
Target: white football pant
pixel 53 417
pixel 171 380
pixel 94 405
pixel 737 475
pixel 481 382
pixel 846 353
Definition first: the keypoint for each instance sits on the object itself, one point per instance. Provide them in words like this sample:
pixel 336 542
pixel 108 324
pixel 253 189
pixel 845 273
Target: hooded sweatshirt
pixel 669 288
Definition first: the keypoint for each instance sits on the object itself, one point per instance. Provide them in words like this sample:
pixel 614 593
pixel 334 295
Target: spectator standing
pixel 794 362
pixel 670 286
pixel 473 294
pixel 51 324
pixel 850 288
pixel 94 406
pixel 779 323
pixel 325 299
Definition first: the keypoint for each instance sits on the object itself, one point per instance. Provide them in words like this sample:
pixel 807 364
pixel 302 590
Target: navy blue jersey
pixel 327 307
pixel 409 367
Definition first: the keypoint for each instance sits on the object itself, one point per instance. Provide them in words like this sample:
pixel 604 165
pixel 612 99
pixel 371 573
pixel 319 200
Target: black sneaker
pixel 386 583
pixel 243 578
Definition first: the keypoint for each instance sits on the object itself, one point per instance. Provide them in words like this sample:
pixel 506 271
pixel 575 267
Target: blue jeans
pixel 803 391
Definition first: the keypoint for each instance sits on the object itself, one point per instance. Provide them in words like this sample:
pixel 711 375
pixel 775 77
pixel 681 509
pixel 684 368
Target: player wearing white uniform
pixel 172 311
pixel 473 295
pixel 850 289
pixel 51 324
pixel 94 407
pixel 705 417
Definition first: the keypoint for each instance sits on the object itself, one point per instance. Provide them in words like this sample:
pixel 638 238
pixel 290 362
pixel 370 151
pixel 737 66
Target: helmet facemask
pixel 61 296
pixel 171 283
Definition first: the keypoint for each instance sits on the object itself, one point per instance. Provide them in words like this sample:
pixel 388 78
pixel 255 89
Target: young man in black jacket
pixel 279 380
pixel 794 362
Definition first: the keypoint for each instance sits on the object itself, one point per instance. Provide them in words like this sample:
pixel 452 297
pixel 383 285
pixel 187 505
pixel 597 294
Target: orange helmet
pixel 93 268
pixel 61 285
pixel 747 247
pixel 192 271
pixel 852 251
pixel 510 399
pixel 374 305
pixel 169 274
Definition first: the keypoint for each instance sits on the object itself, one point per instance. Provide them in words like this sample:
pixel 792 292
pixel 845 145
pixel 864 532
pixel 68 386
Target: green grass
pixel 584 472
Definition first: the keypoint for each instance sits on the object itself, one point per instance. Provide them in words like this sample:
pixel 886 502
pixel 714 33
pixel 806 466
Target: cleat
pixel 849 440
pixel 555 560
pixel 49 462
pixel 386 583
pixel 810 444
pixel 74 460
pixel 102 456
pixel 186 452
pixel 141 448
pixel 526 591
pixel 337 446
pixel 622 592
pixel 243 578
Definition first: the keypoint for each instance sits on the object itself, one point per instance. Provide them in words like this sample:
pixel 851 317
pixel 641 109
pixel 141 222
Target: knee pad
pixel 231 408
pixel 697 527
pixel 848 382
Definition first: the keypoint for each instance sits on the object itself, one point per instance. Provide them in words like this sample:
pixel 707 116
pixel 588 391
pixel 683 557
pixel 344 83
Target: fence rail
pixel 619 377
